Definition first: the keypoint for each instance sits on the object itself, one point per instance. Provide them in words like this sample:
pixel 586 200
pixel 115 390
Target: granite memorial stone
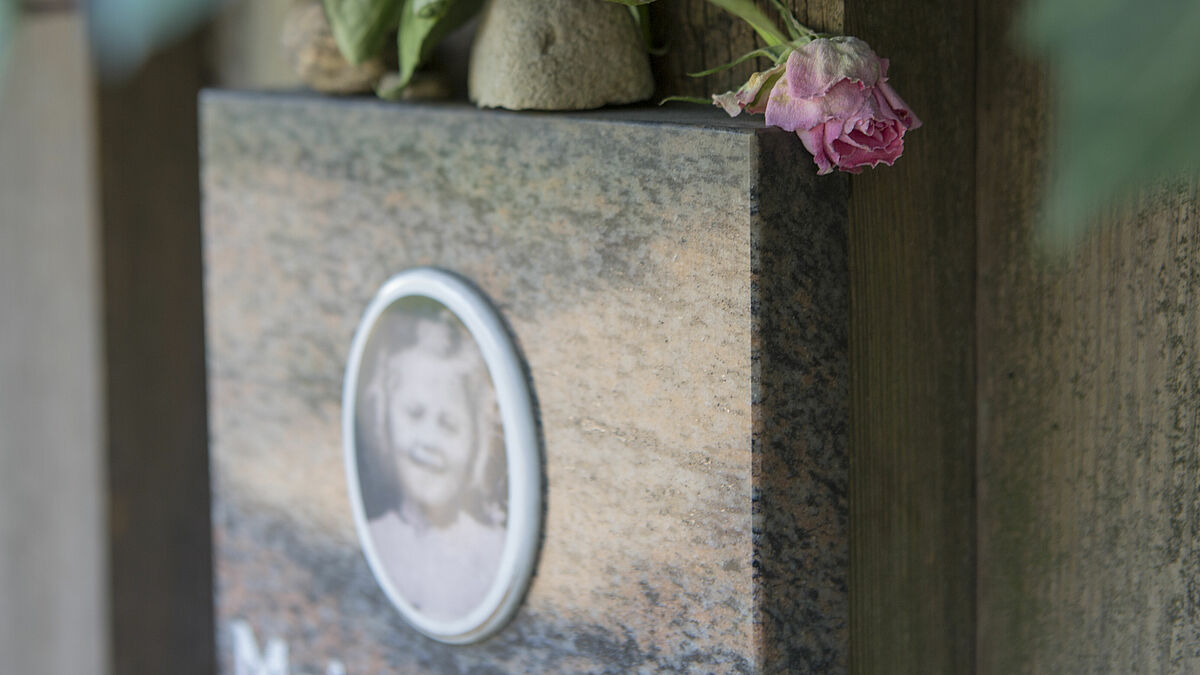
pixel 677 284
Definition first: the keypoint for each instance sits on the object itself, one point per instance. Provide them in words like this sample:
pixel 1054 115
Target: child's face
pixel 430 428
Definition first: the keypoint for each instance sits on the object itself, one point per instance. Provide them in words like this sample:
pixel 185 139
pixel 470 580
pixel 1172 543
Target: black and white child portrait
pixel 431 459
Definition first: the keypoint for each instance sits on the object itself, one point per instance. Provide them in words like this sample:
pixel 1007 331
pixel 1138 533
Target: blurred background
pixel 103 470
pixel 1025 373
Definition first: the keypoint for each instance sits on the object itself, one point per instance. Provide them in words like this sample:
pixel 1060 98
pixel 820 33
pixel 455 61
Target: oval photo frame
pixel 434 398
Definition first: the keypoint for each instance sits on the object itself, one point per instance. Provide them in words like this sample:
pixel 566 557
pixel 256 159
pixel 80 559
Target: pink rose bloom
pixel 834 94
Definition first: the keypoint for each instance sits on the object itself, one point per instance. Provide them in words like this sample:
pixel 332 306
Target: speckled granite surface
pixel 677 283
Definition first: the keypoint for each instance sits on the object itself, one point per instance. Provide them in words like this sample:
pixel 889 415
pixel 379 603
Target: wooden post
pixel 160 542
pixel 912 355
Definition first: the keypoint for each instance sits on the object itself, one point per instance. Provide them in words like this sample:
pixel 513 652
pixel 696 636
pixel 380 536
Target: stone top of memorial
pixel 670 114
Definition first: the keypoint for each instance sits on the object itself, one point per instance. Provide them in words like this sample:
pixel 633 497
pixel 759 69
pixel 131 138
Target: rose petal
pixel 881 109
pixel 884 155
pixel 821 64
pixel 728 102
pixel 814 141
pixel 886 95
pixel 832 133
pixel 790 113
pixel 860 139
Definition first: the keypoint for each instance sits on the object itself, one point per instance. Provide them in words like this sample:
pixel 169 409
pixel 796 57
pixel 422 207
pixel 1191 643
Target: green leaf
pixel 751 14
pixel 421 31
pixel 776 55
pixel 429 9
pixel 632 3
pixel 360 27
pixel 1126 77
pixel 8 20
pixel 686 99
pixel 796 30
pixel 641 16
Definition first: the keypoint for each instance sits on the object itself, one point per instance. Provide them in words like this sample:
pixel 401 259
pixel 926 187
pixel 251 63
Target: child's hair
pixel 425 326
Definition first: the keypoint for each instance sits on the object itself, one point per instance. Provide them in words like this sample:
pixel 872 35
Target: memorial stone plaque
pixel 675 284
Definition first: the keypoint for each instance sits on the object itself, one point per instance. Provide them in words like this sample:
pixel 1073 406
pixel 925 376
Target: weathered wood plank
pixel 1088 464
pixel 912 276
pixel 160 564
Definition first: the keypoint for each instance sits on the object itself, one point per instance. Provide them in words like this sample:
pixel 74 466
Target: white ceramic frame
pixel 524 518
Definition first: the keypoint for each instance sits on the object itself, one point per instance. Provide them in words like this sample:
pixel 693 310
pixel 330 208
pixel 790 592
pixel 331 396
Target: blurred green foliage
pixel 422 26
pixel 1126 89
pixel 8 20
pixel 361 27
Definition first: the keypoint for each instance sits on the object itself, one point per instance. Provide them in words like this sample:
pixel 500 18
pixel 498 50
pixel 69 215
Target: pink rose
pixel 834 94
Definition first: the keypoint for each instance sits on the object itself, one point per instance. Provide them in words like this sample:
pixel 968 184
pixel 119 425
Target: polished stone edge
pixel 800 310
pixel 676 115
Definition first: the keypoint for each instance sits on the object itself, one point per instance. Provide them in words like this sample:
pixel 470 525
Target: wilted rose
pixel 834 94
